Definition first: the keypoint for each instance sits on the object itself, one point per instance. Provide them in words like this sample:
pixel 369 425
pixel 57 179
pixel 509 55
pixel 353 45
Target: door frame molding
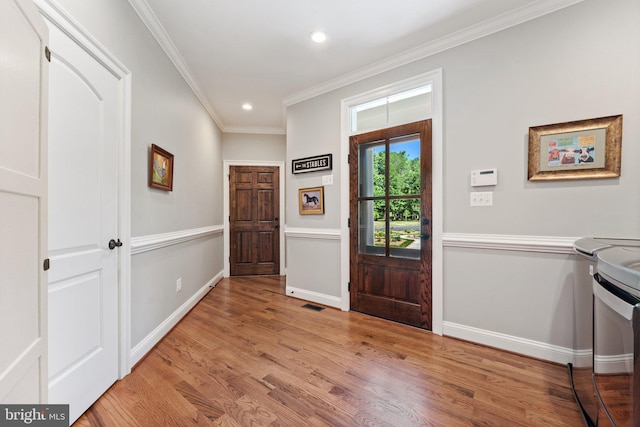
pixel 437 179
pixel 225 195
pixel 53 13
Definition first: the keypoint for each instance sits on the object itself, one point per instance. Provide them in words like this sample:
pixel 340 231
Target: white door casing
pixel 89 190
pixel 23 203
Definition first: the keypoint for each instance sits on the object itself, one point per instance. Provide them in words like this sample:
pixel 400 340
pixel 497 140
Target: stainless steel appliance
pixel 616 334
pixel 581 372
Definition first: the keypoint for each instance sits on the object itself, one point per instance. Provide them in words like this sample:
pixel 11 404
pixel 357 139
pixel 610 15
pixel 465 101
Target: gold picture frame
pixel 583 149
pixel 160 168
pixel 311 201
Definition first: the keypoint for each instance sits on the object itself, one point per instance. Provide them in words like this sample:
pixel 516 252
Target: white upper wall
pixel 249 146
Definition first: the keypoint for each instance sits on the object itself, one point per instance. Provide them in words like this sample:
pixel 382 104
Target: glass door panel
pixel 372 236
pixel 389 197
pixel 372 169
pixel 404 228
pixel 404 166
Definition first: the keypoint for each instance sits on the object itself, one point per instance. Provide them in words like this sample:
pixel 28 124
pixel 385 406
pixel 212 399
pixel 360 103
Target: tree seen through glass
pixel 404 180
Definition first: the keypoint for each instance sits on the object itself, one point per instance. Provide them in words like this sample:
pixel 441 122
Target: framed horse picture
pixel 311 201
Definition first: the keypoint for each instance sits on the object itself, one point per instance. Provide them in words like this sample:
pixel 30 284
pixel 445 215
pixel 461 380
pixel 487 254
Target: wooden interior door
pixel 390 213
pixel 254 220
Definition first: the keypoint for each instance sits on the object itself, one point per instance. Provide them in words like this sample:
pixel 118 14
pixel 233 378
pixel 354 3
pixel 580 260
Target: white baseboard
pixel 331 301
pixel 531 348
pixel 616 364
pixel 142 348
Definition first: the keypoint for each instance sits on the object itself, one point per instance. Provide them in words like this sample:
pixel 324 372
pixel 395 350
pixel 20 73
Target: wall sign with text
pixel 312 164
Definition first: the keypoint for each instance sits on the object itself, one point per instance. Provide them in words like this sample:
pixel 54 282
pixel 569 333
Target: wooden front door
pixel 254 220
pixel 390 211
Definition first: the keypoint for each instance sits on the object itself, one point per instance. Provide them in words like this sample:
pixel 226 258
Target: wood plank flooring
pixel 247 355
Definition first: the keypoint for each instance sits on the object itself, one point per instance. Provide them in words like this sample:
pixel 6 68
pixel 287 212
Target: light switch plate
pixel 481 198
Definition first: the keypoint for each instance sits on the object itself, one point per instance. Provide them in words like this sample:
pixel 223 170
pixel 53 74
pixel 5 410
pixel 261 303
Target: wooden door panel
pixel 265 247
pixel 265 206
pixel 379 280
pixel 253 223
pixel 244 205
pixel 243 177
pixel 243 245
pixel 398 311
pixel 265 177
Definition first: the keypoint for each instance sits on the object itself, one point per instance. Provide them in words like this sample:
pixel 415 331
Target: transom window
pixel 402 107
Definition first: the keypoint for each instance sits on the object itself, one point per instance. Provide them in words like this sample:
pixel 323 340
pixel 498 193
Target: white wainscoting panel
pixel 313 260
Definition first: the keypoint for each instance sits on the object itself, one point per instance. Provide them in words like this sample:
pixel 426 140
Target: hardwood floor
pixel 247 355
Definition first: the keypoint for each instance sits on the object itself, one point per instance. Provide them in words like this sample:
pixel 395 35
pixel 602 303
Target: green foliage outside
pixel 404 179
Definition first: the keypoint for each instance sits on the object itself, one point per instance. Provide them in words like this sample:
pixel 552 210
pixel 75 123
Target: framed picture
pixel 576 150
pixel 311 201
pixel 160 168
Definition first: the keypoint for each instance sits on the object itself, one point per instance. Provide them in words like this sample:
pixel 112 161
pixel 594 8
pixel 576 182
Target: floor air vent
pixel 313 307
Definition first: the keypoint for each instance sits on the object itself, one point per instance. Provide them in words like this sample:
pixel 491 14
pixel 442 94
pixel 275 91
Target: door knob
pixel 113 244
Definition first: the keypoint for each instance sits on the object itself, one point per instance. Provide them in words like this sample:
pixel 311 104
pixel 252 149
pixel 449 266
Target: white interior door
pixel 23 203
pixel 83 218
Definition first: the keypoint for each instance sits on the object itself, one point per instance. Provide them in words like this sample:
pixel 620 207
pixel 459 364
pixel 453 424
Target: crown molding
pixel 255 130
pixel 151 21
pixel 501 22
pixel 490 26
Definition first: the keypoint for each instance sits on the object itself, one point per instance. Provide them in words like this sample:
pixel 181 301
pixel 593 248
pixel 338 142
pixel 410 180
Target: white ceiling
pixel 258 51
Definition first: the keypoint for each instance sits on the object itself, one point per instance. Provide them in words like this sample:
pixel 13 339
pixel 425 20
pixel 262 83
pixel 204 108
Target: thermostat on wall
pixel 482 177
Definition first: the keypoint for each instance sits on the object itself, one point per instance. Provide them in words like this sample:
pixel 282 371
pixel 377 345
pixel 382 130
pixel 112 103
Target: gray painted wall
pixel 578 63
pixel 546 71
pixel 247 146
pixel 167 113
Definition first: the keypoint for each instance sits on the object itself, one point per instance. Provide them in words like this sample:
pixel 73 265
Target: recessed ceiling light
pixel 247 106
pixel 318 36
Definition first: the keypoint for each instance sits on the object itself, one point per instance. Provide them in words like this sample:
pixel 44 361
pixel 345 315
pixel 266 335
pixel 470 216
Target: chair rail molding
pixel 546 244
pixel 312 233
pixel 156 241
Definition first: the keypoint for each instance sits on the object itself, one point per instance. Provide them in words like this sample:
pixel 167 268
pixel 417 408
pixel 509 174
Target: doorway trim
pixel 435 78
pixel 58 17
pixel 225 194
